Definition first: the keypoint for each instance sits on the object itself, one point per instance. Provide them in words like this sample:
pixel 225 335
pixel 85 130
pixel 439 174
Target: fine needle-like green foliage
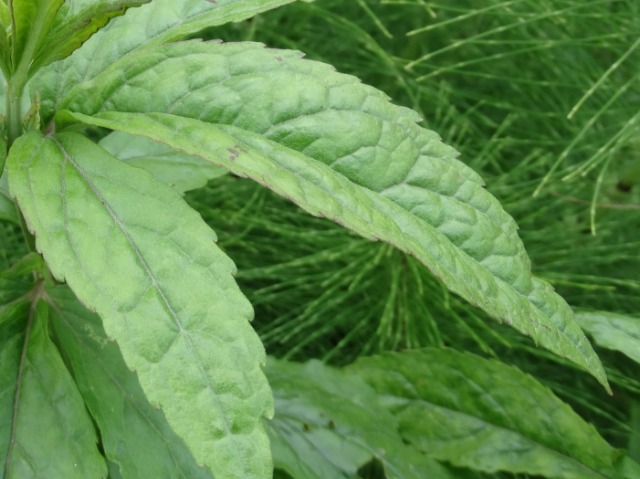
pixel 125 341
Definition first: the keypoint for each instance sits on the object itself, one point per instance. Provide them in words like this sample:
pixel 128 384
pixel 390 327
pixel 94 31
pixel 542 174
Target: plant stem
pixel 15 88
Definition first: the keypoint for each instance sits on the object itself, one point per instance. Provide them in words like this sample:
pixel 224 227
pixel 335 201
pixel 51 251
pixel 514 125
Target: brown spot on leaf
pixel 234 153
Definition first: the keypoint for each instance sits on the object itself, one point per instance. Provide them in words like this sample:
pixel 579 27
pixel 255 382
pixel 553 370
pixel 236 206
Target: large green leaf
pixel 115 399
pixel 131 249
pixel 75 22
pixel 157 22
pixel 613 331
pixel 328 424
pixel 50 433
pixel 174 168
pixel 485 415
pixel 499 289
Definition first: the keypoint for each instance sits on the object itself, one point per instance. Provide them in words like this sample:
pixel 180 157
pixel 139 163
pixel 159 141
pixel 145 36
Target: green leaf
pixel 132 250
pixel 49 433
pixel 32 21
pixel 328 424
pixel 173 168
pixel 7 206
pixel 485 415
pixel 5 50
pixel 13 321
pixel 75 22
pixel 322 191
pixel 16 282
pixel 115 399
pixel 613 331
pixel 628 468
pixel 157 22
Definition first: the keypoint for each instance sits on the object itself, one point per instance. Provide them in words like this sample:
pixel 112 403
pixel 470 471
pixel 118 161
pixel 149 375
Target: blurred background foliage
pixel 542 98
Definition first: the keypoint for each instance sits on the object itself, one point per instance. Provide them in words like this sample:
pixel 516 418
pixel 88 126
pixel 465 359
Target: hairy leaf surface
pixel 485 415
pixel 131 249
pixel 174 168
pixel 613 331
pixel 158 22
pixel 329 423
pixel 116 401
pixel 325 191
pixel 51 434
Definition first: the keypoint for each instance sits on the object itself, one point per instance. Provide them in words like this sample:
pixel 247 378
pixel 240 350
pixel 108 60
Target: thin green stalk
pixel 15 89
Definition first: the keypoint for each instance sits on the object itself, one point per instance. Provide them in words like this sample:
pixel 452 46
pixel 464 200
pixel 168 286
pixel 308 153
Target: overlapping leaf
pixel 130 248
pixel 5 51
pixel 116 401
pixel 31 20
pixel 329 424
pixel 485 415
pixel 45 429
pixel 49 30
pixel 613 331
pixel 323 191
pixel 157 22
pixel 75 22
pixel 174 168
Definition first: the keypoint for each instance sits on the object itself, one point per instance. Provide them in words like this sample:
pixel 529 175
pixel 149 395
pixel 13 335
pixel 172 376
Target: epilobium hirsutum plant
pixel 125 116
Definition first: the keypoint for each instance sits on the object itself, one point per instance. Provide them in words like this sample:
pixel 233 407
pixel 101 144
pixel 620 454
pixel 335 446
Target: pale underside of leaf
pixel 322 191
pixel 613 331
pixel 468 410
pixel 133 251
pixel 157 22
pixel 174 168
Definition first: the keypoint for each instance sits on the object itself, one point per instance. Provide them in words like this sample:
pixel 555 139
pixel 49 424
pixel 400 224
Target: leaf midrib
pixel 169 308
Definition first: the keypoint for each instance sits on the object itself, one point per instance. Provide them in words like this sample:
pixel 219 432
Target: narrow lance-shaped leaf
pixel 467 410
pixel 158 22
pixel 328 424
pixel 75 22
pixel 116 401
pixel 131 249
pixel 50 433
pixel 322 191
